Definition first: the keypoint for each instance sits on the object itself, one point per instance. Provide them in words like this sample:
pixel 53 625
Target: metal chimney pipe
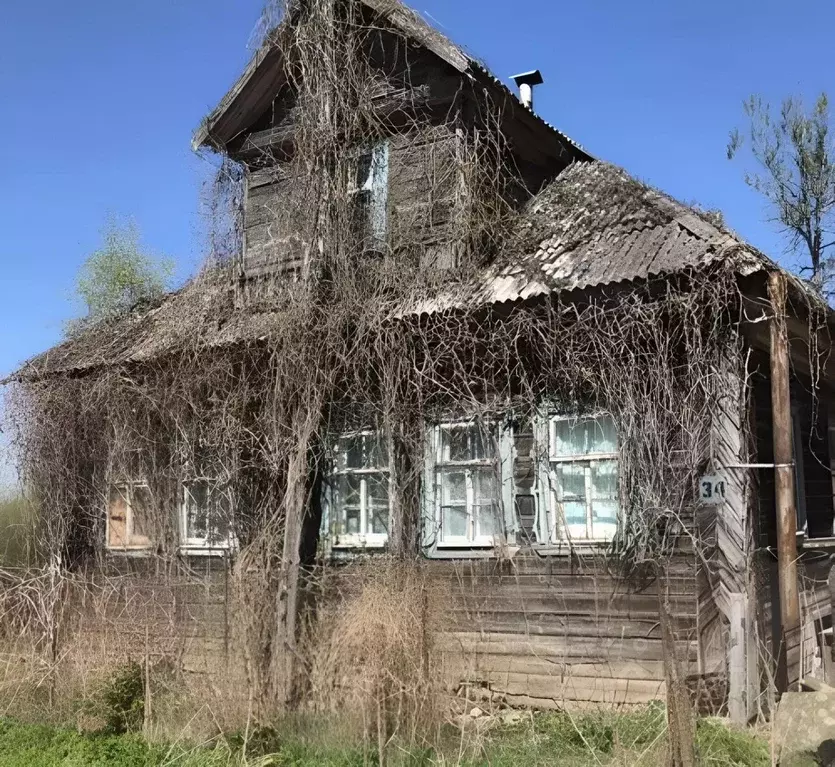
pixel 526 82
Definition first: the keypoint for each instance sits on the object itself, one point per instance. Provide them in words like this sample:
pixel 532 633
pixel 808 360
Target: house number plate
pixel 712 490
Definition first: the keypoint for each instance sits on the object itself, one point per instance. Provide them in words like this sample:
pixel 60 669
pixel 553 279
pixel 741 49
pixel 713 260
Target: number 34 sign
pixel 712 490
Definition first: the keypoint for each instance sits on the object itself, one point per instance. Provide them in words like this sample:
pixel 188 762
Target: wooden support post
pixel 784 490
pixel 737 661
pixel 288 613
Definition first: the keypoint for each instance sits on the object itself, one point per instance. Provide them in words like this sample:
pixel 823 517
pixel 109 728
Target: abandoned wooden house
pixel 597 419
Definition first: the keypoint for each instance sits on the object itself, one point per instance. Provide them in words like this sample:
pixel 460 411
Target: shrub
pixel 120 700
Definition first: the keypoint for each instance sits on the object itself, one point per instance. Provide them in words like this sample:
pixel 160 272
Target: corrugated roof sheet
pixel 594 225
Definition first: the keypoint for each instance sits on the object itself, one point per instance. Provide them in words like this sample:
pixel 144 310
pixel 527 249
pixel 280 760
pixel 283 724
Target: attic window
pixel 358 496
pixel 206 516
pixel 583 478
pixel 370 192
pixel 128 517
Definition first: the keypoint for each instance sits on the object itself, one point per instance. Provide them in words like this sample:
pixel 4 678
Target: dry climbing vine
pixel 262 374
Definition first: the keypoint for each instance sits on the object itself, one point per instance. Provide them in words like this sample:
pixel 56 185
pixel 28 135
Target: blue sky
pixel 100 97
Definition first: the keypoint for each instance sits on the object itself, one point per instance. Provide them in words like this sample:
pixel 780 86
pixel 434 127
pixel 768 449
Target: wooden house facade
pixel 515 516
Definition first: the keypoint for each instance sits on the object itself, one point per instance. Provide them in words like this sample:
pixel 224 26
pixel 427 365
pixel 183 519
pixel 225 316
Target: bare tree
pixel 794 152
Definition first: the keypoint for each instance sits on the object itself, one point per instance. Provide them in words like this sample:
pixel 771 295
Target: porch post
pixel 784 490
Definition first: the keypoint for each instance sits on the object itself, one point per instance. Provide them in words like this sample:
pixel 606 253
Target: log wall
pixel 423 189
pixel 546 631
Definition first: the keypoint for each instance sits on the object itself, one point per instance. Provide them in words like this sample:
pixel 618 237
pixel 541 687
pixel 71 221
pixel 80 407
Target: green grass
pixel 544 739
pixel 37 746
pixel 606 738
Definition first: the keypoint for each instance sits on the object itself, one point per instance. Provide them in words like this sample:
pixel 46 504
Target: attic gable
pixel 264 77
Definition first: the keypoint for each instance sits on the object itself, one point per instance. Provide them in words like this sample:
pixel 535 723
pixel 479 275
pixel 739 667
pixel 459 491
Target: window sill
pixel 565 549
pixel 138 552
pixel 347 543
pixel 205 551
pixel 468 552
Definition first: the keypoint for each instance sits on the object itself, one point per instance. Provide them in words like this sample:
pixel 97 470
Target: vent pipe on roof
pixel 527 81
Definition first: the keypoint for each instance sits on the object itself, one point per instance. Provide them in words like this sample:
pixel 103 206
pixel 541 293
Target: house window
pixel 370 192
pixel 358 490
pixel 583 478
pixel 206 516
pixel 128 516
pixel 467 484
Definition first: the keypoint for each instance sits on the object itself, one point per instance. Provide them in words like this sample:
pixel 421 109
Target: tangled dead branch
pixel 334 344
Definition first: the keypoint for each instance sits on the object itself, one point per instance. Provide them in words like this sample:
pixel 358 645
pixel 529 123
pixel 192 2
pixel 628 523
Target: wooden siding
pixel 544 631
pixel 273 233
pixel 423 190
pixel 132 608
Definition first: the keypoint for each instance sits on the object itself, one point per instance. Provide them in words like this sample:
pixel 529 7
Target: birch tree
pixel 117 276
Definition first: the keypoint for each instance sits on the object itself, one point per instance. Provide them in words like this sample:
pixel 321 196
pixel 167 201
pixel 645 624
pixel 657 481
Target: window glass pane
pixel 208 513
pixel 117 516
pixel 480 444
pixel 604 482
pixel 571 481
pixel 453 486
pixel 362 451
pixel 219 516
pixel 454 522
pixel 571 498
pixel 141 507
pixel 604 520
pixel 352 521
pixel 377 489
pixel 487 502
pixel 351 452
pixel 601 436
pixel 465 443
pixel 454 444
pixel 347 499
pixel 575 519
pixel 348 490
pixel 585 436
pixel 485 487
pixel 487 520
pixel 376 451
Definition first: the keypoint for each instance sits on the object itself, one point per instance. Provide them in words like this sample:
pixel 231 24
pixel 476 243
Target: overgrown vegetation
pixel 249 383
pixel 17 531
pixel 577 740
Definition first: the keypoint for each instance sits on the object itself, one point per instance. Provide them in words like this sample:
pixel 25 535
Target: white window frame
pixel 127 488
pixel 334 520
pixel 501 463
pixel 194 545
pixel 552 525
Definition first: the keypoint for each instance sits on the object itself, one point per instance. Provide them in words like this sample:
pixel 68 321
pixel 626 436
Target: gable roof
pixel 263 77
pixel 593 226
